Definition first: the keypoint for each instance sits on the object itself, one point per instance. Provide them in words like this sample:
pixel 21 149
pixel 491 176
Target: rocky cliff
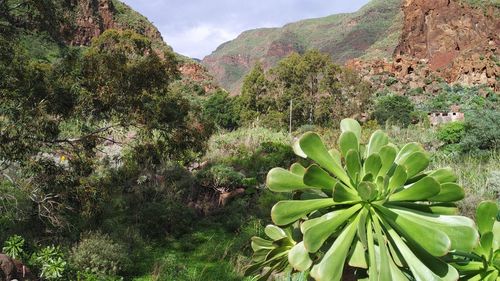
pixel 93 17
pixel 373 31
pixel 442 40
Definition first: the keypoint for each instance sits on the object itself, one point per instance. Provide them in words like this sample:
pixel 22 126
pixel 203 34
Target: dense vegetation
pixel 113 168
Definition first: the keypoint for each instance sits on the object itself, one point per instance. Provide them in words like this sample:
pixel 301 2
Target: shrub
pixel 98 254
pixel 482 130
pixel 220 109
pixel 220 176
pixel 393 108
pixel 451 133
pixel 51 261
pixel 13 247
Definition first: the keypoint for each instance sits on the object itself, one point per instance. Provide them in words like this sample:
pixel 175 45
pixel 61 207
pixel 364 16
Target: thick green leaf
pixel 372 253
pixel 436 208
pixel 433 240
pixel 298 169
pixel 353 165
pixel 319 178
pixel 384 272
pixel 314 148
pixel 486 215
pixel 444 175
pixel 372 164
pixel 343 194
pixel 387 155
pixel 297 149
pixel 420 271
pixel 367 191
pixel 332 265
pixel 286 212
pixel 423 189
pixel 260 243
pixel 281 180
pixel 377 140
pixel 315 236
pixel 351 125
pixel 408 150
pixel 450 192
pixel 415 163
pixel 299 258
pixel 274 232
pixel 398 179
pixel 358 258
pixel 460 230
pixel 348 141
pixel 336 156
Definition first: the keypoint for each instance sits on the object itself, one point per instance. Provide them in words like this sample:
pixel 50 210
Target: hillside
pixel 48 28
pixel 373 31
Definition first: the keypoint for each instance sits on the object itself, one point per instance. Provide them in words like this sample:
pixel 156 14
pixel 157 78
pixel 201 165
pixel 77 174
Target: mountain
pixel 48 27
pixel 373 31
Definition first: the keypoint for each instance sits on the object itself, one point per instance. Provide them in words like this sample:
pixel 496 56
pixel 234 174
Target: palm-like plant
pixel 484 262
pixel 372 207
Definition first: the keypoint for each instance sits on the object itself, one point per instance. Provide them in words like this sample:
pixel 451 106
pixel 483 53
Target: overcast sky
pixel 196 27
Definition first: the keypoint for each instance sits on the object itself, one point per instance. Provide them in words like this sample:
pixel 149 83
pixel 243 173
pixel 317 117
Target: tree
pixel 394 108
pixel 221 109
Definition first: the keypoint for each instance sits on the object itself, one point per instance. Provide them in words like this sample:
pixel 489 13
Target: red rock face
pixel 93 17
pixel 442 39
pixel 459 42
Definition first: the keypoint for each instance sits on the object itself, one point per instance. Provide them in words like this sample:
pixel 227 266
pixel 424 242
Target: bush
pixel 220 176
pixel 221 109
pixel 396 109
pixel 451 133
pixel 98 254
pixel 482 131
pixel 51 261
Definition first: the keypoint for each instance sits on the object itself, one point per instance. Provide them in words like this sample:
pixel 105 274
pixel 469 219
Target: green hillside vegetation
pixel 112 168
pixel 373 31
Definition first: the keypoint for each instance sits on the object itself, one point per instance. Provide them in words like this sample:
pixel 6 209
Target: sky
pixel 195 28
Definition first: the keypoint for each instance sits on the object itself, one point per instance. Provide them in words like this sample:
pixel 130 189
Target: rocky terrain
pixel 442 41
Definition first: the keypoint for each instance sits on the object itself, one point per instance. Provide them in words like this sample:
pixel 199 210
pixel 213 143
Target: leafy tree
pixel 482 130
pixel 221 109
pixel 394 108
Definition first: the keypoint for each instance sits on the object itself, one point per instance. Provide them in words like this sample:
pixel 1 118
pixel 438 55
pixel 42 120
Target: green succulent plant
pixel 484 262
pixel 373 207
pixel 271 255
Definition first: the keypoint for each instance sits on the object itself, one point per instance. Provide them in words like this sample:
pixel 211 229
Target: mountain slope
pixel 373 31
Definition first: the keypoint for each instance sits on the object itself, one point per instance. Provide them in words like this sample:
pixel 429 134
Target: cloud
pixel 195 28
pixel 200 40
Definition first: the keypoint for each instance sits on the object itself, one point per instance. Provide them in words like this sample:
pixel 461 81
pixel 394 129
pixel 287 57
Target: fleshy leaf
pixel 486 215
pixel 425 188
pixel 299 257
pixel 450 192
pixel 319 178
pixel 274 232
pixel 348 141
pixel 313 146
pixel 351 125
pixel 315 236
pixel 281 180
pixel 332 265
pixel 286 212
pixel 377 140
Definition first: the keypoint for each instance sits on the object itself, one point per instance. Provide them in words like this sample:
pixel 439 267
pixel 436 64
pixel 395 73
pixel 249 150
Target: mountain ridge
pixel 344 36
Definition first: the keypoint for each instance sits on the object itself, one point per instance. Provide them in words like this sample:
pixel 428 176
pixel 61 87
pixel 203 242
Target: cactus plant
pixel 372 207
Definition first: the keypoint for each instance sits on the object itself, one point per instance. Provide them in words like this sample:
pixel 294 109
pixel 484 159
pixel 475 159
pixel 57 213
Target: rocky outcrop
pixel 93 17
pixel 442 41
pixel 460 43
pixel 197 73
